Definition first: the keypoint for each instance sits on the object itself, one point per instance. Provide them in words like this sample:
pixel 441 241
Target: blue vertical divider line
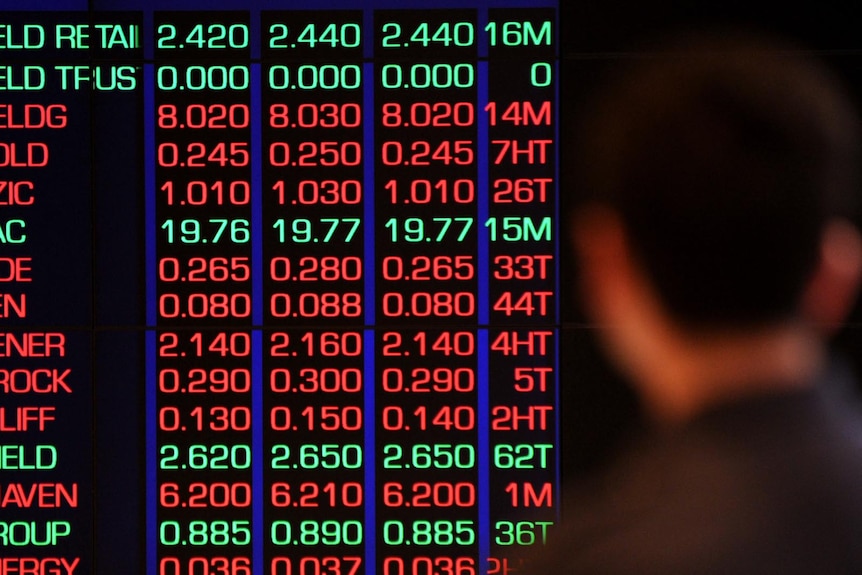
pixel 484 459
pixel 151 418
pixel 150 190
pixel 368 452
pixel 257 451
pixel 256 201
pixel 368 195
pixel 482 183
pixel 369 350
pixel 257 454
pixel 482 407
pixel 150 290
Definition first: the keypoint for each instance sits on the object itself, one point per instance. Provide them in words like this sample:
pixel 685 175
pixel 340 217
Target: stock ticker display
pixel 278 287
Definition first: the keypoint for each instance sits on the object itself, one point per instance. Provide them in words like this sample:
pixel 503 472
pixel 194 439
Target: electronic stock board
pixel 279 286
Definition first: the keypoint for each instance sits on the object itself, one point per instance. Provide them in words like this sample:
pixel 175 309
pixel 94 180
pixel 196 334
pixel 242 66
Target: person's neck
pixel 692 374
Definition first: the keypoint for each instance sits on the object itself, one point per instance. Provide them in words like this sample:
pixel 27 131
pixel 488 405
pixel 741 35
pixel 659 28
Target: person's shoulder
pixel 770 485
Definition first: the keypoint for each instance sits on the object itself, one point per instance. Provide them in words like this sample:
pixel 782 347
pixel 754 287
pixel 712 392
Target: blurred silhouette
pixel 715 259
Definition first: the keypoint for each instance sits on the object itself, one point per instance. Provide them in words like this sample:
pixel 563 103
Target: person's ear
pixel 611 282
pixel 598 239
pixel 832 289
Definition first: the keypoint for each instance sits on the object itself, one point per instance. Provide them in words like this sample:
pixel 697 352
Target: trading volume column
pixel 315 306
pixel 521 112
pixel 51 68
pixel 203 384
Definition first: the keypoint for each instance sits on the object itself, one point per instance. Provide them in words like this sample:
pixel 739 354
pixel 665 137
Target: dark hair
pixel 724 159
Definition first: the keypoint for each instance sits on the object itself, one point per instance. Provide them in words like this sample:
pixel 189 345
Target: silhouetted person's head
pixel 715 175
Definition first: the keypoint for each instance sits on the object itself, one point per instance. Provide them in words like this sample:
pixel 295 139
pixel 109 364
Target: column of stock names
pixel 53 67
pixel 278 288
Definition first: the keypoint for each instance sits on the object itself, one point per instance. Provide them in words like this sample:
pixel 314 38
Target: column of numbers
pixel 204 292
pixel 426 206
pixel 314 280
